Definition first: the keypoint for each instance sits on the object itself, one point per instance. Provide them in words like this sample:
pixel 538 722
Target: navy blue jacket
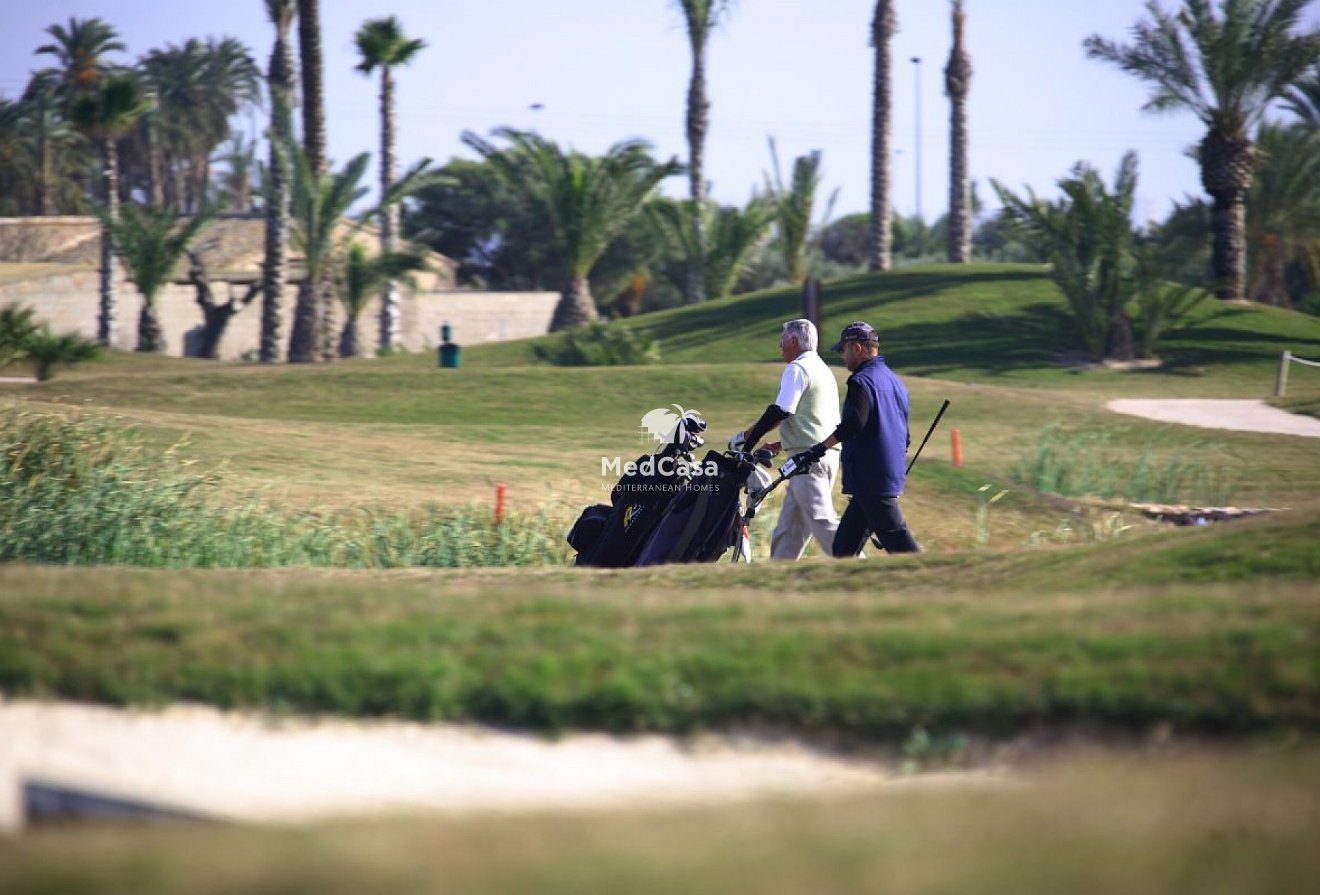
pixel 874 432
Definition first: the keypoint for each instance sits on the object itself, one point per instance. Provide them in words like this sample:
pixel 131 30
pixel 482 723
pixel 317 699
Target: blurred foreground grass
pixel 1179 821
pixel 1213 630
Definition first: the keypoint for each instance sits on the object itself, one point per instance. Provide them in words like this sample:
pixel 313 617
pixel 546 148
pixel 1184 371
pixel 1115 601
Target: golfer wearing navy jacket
pixel 875 439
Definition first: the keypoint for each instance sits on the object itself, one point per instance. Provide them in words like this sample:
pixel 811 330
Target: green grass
pixel 75 489
pixel 1089 463
pixel 983 322
pixel 1307 405
pixel 1173 822
pixel 1210 629
pixel 1216 631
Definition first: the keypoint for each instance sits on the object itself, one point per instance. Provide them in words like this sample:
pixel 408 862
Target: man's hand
pixel 774 447
pixel 803 461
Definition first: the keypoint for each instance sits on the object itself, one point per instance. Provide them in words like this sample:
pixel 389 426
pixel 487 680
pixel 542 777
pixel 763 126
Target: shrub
pixel 601 345
pixel 79 490
pixel 1093 464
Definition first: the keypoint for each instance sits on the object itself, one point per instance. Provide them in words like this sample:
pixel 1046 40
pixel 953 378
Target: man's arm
pixel 856 414
pixel 791 386
pixel 773 416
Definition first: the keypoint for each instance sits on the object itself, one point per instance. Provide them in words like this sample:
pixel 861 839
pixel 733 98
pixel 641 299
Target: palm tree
pixel 46 350
pixel 319 204
pixel 957 81
pixel 79 51
pixel 313 84
pixel 734 236
pixel 198 88
pixel 365 275
pixel 240 158
pixel 793 207
pixel 280 78
pixel 1283 211
pixel 382 45
pixel 150 242
pixel 588 200
pixel 17 325
pixel 1304 98
pixel 106 113
pixel 883 25
pixel 1088 236
pixel 1226 68
pixel 700 17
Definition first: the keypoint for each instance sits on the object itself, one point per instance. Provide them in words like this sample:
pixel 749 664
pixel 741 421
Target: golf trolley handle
pixel 754 500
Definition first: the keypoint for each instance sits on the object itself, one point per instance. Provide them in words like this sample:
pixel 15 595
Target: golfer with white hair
pixel 806 412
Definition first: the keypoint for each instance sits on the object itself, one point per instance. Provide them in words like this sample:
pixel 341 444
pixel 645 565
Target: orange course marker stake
pixel 957 447
pixel 499 503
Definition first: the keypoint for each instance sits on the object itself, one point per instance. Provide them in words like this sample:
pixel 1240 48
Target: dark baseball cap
pixel 856 332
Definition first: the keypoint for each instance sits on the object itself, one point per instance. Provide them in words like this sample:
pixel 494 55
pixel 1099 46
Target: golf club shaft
pixel 929 433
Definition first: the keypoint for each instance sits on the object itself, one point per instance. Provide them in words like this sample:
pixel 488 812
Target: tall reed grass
pixel 78 489
pixel 1090 463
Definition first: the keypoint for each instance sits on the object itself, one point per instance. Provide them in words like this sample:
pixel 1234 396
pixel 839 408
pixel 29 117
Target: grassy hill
pixel 1002 323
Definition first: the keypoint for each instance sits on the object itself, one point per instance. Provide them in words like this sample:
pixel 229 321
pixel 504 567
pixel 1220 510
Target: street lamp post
pixel 916 67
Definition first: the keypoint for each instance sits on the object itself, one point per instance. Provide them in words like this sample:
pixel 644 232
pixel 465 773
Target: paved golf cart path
pixel 1215 413
pixel 249 767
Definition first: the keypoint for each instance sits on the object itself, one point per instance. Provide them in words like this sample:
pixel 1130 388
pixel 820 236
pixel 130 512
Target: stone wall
pixel 68 301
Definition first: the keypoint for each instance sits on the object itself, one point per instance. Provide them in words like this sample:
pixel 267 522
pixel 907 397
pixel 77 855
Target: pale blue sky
pixel 800 70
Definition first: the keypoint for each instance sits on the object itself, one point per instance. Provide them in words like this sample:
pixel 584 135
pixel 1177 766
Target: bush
pixel 1092 464
pixel 22 338
pixel 601 345
pixel 78 490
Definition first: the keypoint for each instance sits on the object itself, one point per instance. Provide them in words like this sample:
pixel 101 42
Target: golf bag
pixel 705 518
pixel 612 535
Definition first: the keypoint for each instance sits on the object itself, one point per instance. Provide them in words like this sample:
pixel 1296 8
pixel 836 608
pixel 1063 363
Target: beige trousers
pixel 808 511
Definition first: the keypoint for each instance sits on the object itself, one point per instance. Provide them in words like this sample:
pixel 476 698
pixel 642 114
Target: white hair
pixel 803 332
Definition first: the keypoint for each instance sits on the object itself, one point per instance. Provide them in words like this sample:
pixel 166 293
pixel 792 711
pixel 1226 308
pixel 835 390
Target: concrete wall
pixel 68 301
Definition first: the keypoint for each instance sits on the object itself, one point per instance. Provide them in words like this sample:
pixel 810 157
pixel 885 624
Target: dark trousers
pixel 867 515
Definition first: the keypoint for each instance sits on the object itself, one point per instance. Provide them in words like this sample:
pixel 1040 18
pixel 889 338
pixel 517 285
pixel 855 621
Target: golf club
pixel 929 433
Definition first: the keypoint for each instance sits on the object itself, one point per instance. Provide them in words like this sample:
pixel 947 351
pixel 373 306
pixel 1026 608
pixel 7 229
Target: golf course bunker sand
pixel 192 760
pixel 1219 413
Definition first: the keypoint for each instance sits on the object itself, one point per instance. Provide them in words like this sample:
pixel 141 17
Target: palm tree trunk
pixel 348 338
pixel 1119 343
pixel 274 269
pixel 313 82
pixel 880 243
pixel 45 195
pixel 1229 245
pixel 389 219
pixel 957 81
pixel 327 337
pixel 156 187
pixel 149 334
pixel 1227 164
pixel 105 330
pixel 576 306
pixel 302 340
pixel 698 122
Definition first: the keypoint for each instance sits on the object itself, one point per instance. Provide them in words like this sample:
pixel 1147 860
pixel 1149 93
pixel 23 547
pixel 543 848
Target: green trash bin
pixel 449 353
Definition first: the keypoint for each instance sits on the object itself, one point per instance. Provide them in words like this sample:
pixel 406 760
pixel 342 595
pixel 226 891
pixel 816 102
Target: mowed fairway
pixel 1191 654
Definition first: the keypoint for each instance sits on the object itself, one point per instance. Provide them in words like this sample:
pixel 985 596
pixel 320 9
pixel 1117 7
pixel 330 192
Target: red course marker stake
pixel 957 447
pixel 499 503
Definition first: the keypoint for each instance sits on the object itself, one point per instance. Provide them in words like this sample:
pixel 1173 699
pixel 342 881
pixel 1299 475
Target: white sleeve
pixel 792 385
